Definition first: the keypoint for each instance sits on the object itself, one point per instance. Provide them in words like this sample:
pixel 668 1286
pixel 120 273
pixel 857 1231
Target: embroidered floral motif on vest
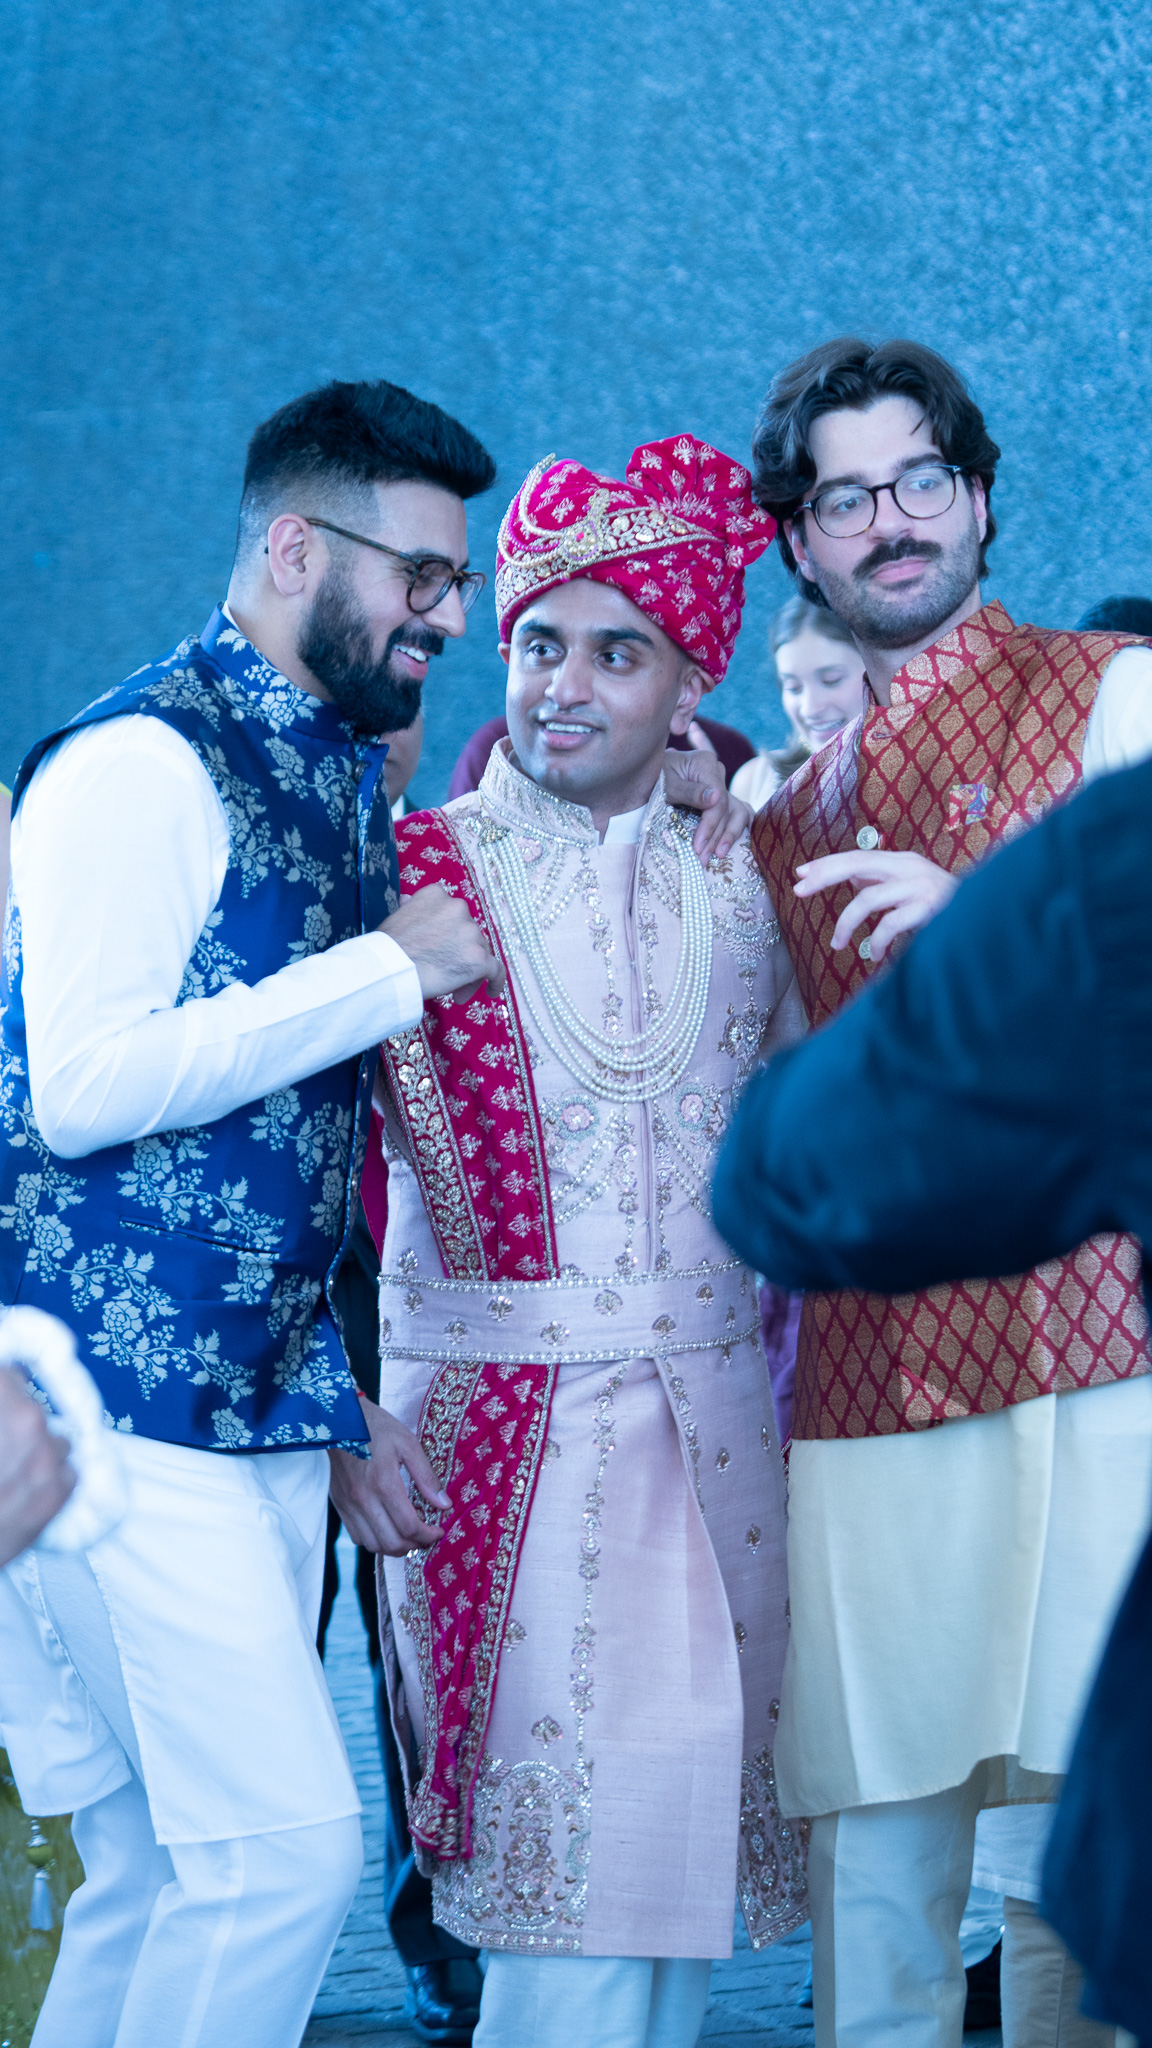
pixel 193 1264
pixel 984 733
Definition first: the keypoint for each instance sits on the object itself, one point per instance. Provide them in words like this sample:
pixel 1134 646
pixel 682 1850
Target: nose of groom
pixel 572 681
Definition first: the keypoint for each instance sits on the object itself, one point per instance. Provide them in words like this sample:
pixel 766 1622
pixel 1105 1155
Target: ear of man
pixel 689 692
pixel 792 530
pixel 292 545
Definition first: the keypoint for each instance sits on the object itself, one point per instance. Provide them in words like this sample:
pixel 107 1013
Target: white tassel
pixel 40 1915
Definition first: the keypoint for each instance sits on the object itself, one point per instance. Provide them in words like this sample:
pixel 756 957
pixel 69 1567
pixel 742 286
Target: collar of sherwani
pixel 518 802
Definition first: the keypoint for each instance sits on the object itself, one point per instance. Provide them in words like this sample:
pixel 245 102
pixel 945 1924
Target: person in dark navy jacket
pixel 985 1106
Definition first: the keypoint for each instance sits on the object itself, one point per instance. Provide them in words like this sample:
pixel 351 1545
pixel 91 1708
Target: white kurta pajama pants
pixel 951 1595
pixel 165 1690
pixel 611 2001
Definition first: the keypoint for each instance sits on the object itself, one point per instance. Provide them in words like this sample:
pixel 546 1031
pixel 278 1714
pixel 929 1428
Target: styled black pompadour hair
pixel 851 374
pixel 342 438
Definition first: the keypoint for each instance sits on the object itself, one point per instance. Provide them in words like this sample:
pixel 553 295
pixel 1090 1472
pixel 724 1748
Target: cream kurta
pixel 952 1592
pixel 629 1758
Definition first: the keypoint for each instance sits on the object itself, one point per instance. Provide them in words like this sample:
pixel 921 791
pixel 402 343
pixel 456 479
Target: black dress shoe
pixel 983 2007
pixel 444 1998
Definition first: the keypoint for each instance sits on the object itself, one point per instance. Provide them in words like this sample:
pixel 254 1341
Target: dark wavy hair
pixel 1118 615
pixel 334 443
pixel 850 374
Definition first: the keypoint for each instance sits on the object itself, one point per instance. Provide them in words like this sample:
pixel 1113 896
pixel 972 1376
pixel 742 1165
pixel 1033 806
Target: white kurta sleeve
pixel 1119 730
pixel 119 852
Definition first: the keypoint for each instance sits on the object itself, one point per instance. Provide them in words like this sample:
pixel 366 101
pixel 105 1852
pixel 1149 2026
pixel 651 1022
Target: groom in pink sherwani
pixel 587 1662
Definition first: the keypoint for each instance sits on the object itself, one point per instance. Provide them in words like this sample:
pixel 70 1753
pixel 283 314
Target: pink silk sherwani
pixel 627 1780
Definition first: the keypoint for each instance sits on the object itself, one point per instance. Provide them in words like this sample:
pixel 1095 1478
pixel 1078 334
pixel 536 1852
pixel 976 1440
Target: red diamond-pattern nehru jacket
pixel 985 731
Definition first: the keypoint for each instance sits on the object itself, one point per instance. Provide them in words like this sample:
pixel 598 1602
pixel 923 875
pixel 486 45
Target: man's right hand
pixel 371 1496
pixel 444 943
pixel 907 887
pixel 35 1476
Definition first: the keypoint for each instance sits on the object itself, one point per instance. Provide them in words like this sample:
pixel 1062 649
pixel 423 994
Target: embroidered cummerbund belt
pixel 573 1320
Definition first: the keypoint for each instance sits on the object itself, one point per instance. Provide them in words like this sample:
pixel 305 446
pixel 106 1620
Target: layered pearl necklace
pixel 614 1068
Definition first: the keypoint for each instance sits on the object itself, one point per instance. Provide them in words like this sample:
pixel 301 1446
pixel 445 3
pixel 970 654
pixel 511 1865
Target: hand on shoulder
pixel 695 782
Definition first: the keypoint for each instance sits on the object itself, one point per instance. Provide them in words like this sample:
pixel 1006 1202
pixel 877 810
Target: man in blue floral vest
pixel 204 934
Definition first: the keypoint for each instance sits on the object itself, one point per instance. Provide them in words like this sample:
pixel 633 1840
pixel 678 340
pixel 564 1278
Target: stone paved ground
pixel 363 1993
pixel 361 2002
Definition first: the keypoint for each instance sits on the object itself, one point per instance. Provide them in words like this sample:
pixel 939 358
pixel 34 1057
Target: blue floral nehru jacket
pixel 194 1265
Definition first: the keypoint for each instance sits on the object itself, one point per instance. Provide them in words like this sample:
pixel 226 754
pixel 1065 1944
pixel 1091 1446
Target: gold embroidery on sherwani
pixel 774 1882
pixel 647 1316
pixel 524 1890
pixel 420 1100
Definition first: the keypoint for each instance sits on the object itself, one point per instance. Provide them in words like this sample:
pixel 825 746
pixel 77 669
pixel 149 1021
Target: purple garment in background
pixel 780 1323
pixel 732 750
pixel 473 758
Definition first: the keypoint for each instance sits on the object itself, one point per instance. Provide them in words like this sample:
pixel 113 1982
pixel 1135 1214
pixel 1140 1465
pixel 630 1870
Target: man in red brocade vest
pixel 970 1466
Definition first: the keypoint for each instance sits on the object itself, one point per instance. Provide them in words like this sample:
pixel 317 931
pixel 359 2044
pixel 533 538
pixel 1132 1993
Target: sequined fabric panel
pixel 525 1885
pixel 773 1879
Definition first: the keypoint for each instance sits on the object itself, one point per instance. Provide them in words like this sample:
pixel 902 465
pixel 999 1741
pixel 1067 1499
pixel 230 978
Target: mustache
pixel 897 551
pixel 420 637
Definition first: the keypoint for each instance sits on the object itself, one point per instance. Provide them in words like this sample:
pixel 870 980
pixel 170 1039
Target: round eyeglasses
pixel 429 577
pixel 844 510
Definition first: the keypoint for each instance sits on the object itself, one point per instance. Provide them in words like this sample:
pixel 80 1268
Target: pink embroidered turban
pixel 674 537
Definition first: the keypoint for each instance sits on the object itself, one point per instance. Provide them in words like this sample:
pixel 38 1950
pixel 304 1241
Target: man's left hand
pixel 906 887
pixel 696 781
pixel 370 1494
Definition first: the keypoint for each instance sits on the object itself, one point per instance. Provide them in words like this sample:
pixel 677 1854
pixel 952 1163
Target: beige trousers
pixel 1041 1986
pixel 888 1886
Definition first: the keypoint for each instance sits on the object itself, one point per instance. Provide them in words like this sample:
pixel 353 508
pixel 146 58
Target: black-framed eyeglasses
pixel 845 510
pixel 430 577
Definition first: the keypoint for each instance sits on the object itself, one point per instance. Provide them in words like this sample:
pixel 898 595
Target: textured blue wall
pixel 575 226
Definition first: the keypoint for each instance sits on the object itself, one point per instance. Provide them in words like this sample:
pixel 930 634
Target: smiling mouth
pixel 420 655
pixel 567 727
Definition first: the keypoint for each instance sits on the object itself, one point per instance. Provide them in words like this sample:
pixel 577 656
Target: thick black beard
pixel 335 645
pixel 886 621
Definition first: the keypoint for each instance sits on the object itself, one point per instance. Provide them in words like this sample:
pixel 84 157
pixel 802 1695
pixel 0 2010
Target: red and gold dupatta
pixel 462 1088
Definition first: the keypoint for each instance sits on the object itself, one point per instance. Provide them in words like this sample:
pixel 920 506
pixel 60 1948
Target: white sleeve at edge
pixel 1119 730
pixel 118 857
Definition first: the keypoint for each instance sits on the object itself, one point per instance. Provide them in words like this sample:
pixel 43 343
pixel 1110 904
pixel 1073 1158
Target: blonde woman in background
pixel 820 676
